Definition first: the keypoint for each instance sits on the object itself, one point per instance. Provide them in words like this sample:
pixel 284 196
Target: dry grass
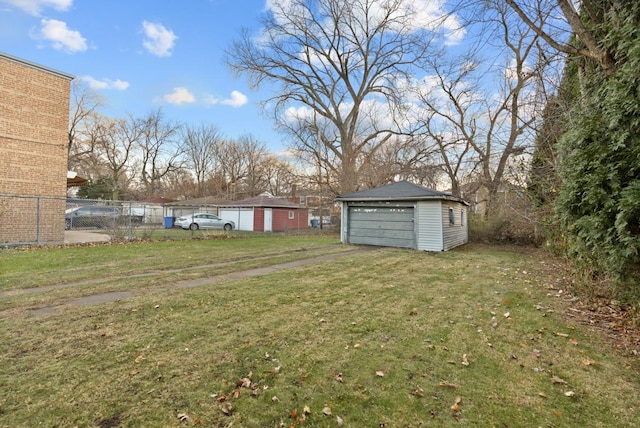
pixel 469 337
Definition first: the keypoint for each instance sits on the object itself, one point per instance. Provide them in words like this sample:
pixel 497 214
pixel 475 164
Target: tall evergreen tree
pixel 599 204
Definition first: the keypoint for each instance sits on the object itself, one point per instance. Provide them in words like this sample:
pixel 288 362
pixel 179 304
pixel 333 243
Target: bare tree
pixel 481 115
pixel 451 114
pixel 84 158
pixel 239 163
pixel 85 103
pixel 253 155
pixel 542 17
pixel 280 176
pixel 199 148
pixel 402 158
pixel 116 146
pixel 84 113
pixel 160 150
pixel 341 67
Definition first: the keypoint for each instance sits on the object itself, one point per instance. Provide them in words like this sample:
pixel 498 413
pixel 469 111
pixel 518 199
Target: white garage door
pixel 384 226
pixel 242 217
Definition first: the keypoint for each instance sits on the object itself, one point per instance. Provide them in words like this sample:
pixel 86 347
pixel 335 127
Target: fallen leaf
pixel 235 393
pixel 447 384
pixel 339 421
pixel 588 362
pixel 418 392
pixel 275 399
pixel 569 394
pixel 245 382
pixel 556 379
pixel 380 373
pixel 306 410
pixel 414 311
pixel 139 359
pixel 294 413
pixel 227 408
pixel 183 417
pixel 326 411
pixel 542 394
pixel 338 377
pixel 134 372
pixel 455 408
pixel 465 362
pixel 573 341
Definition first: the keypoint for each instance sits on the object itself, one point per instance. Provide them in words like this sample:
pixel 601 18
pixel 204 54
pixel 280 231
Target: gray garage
pixel 404 215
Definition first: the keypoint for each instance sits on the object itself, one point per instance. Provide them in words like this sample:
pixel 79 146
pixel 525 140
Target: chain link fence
pixel 42 220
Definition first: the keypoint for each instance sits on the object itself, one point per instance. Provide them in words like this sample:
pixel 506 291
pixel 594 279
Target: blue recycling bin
pixel 315 223
pixel 168 222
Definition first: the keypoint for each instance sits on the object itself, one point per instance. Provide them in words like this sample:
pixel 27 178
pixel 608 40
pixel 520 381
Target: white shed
pixel 404 215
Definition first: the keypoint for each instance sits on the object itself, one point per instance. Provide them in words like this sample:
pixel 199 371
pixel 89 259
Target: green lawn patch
pixel 389 337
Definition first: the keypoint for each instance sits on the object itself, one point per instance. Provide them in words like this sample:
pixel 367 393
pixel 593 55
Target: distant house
pixel 265 213
pixel 404 215
pixel 34 121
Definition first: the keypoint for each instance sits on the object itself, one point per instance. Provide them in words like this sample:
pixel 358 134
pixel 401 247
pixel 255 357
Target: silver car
pixel 204 221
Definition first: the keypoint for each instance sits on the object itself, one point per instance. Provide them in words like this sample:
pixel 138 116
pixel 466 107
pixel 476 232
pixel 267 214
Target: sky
pixel 140 55
pixel 143 54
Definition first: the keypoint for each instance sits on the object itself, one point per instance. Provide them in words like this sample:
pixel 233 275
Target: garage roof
pixel 400 191
pixel 262 201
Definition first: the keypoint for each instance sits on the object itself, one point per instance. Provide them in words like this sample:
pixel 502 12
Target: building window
pixel 452 216
pixel 292 215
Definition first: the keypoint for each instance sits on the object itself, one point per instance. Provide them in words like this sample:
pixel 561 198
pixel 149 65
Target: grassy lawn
pixel 388 337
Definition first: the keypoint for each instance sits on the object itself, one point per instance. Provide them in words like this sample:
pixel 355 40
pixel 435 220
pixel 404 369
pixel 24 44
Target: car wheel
pixel 194 226
pixel 228 227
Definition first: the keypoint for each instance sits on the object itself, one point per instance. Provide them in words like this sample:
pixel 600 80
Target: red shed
pixel 265 213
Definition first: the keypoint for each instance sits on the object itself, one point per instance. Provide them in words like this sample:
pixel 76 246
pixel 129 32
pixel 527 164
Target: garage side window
pixel 452 216
pixel 292 215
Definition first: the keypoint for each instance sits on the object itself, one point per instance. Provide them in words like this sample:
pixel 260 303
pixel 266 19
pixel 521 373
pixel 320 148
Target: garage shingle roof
pixel 400 191
pixel 262 201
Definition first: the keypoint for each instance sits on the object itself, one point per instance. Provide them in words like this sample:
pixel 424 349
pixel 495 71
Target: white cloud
pixel 35 7
pixel 511 71
pixel 61 37
pixel 158 40
pixel 180 95
pixel 237 99
pixel 118 85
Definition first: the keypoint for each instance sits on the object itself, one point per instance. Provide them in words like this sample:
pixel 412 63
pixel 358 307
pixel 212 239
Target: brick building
pixel 34 120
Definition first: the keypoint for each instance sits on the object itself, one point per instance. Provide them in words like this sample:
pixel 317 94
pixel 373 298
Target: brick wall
pixel 34 117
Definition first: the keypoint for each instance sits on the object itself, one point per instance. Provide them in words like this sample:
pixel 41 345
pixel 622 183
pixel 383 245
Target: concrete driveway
pixel 84 237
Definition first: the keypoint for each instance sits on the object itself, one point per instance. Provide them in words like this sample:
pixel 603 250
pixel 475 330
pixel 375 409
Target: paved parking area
pixel 82 237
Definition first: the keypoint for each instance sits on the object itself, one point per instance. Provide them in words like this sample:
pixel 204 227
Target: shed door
pixel 384 226
pixel 268 220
